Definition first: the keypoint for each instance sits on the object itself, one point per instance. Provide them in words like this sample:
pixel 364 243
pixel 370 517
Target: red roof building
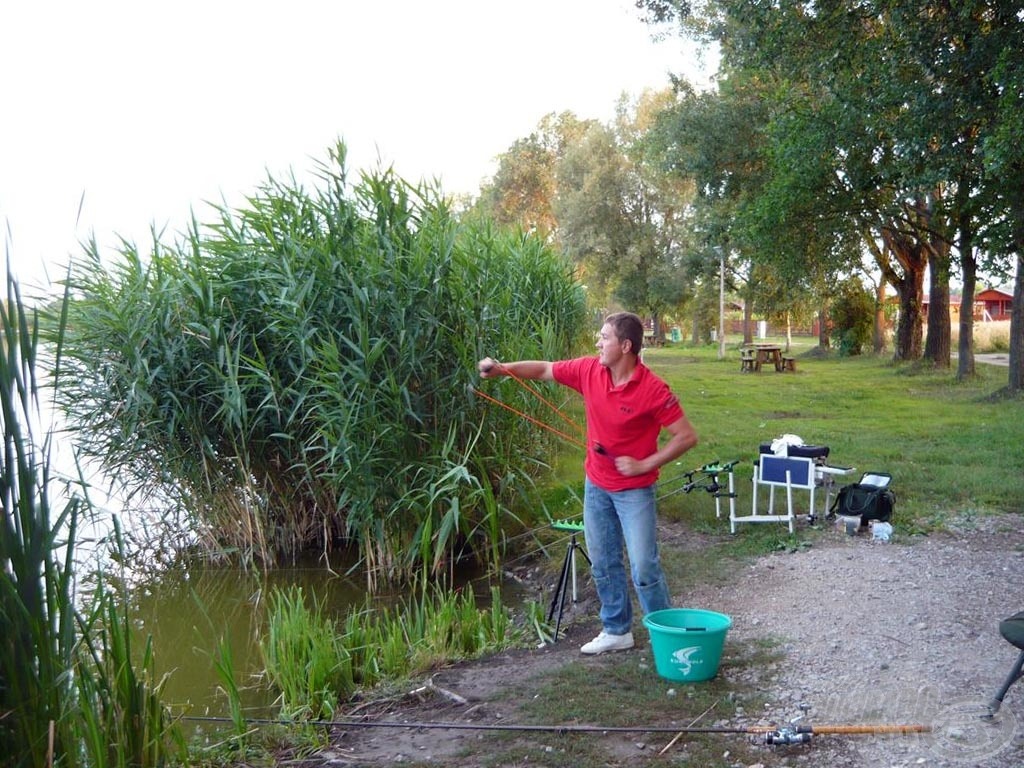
pixel 989 305
pixel 996 303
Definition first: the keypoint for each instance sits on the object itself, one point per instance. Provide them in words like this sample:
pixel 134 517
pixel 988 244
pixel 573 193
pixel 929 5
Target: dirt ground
pixel 866 632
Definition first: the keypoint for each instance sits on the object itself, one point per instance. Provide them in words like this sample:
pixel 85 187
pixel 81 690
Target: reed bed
pixel 300 373
pixel 71 691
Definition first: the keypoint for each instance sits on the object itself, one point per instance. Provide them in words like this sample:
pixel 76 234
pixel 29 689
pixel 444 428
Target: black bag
pixel 868 501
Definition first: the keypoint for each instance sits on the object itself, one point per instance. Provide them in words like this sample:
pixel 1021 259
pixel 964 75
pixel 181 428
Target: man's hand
pixel 629 466
pixel 489 368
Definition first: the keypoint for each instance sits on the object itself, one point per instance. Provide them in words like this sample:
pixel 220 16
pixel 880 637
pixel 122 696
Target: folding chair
pixel 824 473
pixel 789 472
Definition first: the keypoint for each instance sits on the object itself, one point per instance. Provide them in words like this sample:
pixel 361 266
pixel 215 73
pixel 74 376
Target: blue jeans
pixel 611 519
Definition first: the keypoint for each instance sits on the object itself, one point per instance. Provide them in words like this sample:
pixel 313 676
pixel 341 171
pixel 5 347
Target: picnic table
pixel 756 355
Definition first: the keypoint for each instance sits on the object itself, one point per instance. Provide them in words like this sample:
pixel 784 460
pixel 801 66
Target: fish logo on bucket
pixel 684 658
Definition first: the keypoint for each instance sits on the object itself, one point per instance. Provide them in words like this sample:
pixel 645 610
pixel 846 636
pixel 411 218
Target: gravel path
pixel 904 632
pixel 900 632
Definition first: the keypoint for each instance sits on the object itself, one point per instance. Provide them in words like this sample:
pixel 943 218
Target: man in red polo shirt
pixel 627 406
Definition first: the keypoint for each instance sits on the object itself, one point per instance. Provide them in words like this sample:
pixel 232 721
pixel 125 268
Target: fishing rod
pixel 710 471
pixel 569 438
pixel 771 734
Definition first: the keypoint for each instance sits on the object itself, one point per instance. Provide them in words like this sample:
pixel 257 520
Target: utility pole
pixel 721 302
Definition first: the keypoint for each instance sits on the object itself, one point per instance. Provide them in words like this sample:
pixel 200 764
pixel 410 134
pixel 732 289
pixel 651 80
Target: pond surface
pixel 188 612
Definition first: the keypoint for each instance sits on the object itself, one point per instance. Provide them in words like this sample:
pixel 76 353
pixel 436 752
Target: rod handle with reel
pixel 801 734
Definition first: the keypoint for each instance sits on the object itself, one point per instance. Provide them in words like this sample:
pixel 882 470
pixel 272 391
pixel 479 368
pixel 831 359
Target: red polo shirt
pixel 625 420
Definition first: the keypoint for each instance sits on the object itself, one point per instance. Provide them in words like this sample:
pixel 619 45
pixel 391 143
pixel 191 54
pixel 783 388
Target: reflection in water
pixel 188 612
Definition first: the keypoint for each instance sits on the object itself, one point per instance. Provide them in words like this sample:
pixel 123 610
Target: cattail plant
pixel 36 588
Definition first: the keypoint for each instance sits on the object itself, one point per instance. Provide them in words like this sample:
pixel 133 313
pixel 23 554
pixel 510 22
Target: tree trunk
pixel 908 329
pixel 937 342
pixel 748 321
pixel 878 340
pixel 969 268
pixel 911 254
pixel 1016 380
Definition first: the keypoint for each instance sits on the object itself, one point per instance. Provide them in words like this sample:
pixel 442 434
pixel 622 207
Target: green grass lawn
pixel 953 449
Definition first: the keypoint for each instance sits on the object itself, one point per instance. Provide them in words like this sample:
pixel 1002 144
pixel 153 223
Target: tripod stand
pixel 568 571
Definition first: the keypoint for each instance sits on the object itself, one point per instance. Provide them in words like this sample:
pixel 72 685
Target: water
pixel 187 612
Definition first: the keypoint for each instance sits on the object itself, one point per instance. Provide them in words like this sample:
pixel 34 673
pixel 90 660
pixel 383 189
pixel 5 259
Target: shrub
pixel 852 316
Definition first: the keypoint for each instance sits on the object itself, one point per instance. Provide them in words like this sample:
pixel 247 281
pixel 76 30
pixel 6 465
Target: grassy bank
pixel 949 447
pixel 953 451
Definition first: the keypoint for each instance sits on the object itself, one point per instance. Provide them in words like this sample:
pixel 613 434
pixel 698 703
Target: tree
pixel 897 99
pixel 523 190
pixel 686 139
pixel 622 216
pixel 1004 170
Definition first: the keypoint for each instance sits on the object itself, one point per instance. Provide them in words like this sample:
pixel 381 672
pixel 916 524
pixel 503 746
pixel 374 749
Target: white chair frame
pixel 787 472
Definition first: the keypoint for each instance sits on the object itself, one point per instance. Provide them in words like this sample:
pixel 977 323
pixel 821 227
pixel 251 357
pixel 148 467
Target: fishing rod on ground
pixel 772 735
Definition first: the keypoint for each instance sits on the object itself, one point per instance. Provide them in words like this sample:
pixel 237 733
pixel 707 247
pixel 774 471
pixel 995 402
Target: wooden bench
pixel 748 362
pixel 788 364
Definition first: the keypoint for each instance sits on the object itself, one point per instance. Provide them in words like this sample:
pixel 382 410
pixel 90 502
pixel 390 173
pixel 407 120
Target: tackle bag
pixel 870 499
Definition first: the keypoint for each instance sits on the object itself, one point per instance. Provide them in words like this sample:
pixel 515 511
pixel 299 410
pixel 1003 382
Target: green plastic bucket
pixel 687 642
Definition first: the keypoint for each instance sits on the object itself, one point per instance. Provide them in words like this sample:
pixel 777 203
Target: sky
pixel 118 117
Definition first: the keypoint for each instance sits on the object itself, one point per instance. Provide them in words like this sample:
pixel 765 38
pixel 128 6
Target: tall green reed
pixel 304 657
pixel 123 719
pixel 71 692
pixel 224 665
pixel 36 587
pixel 300 373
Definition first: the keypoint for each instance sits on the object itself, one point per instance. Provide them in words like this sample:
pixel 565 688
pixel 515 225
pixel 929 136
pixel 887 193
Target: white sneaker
pixel 606 642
